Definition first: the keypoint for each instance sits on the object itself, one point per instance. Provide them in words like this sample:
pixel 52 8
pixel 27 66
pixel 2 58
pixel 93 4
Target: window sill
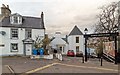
pixel 14 51
pixel 14 38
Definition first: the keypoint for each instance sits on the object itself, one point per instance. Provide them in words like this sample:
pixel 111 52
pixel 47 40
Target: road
pixel 68 65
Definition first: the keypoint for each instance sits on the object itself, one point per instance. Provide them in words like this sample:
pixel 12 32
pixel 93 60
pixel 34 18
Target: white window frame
pixel 28 33
pixel 19 20
pixel 16 33
pixel 16 47
pixel 77 39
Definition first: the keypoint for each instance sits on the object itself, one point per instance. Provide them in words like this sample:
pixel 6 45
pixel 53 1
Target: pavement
pixel 68 65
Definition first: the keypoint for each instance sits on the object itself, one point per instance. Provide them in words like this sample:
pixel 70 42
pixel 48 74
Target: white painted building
pixel 17 34
pixel 59 43
pixel 74 41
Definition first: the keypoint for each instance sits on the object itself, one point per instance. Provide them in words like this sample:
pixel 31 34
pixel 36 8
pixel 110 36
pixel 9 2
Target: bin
pixel 41 51
pixel 34 52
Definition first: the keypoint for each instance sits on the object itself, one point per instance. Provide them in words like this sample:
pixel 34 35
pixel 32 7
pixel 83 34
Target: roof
pixel 52 38
pixel 65 39
pixel 76 31
pixel 16 14
pixel 28 22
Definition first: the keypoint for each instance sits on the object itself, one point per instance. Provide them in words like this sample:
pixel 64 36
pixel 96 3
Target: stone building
pixel 5 11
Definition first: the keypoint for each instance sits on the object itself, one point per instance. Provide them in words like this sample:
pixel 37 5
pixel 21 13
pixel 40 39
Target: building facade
pixel 18 33
pixel 59 43
pixel 74 41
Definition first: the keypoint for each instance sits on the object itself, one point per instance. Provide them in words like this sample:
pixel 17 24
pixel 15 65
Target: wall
pixel 73 44
pixel 38 32
pixel 6 40
pixel 59 41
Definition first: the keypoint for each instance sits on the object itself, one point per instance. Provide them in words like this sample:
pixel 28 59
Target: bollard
pixel 101 61
pixel 82 59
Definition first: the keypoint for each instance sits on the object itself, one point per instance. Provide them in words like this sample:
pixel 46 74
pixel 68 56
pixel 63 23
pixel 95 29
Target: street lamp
pixel 115 39
pixel 86 30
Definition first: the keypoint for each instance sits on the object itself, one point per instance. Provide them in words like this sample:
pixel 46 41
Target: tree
pixel 38 42
pixel 46 42
pixel 108 18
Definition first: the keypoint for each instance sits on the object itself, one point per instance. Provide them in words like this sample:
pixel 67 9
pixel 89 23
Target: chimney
pixel 5 11
pixel 42 17
pixel 8 6
pixel 58 34
pixel 3 5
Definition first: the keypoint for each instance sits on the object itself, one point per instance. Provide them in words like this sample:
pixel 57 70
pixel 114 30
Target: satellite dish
pixel 2 32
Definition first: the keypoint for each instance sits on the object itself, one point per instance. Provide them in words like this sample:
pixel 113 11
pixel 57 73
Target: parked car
pixel 70 53
pixel 79 54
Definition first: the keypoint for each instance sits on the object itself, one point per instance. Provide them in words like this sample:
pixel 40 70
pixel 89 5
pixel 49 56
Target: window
pixel 60 48
pixel 77 48
pixel 15 19
pixel 14 47
pixel 28 33
pixel 77 39
pixel 14 33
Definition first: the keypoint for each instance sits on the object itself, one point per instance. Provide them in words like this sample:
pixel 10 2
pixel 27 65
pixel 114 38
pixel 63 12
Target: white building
pixel 74 41
pixel 59 43
pixel 17 34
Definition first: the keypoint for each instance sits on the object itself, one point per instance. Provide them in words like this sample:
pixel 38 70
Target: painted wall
pixel 59 41
pixel 6 40
pixel 73 44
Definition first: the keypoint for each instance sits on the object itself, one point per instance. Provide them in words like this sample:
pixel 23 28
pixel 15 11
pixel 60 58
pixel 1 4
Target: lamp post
pixel 86 30
pixel 115 39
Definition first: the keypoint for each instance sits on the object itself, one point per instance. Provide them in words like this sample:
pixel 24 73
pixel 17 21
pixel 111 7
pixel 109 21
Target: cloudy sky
pixel 60 15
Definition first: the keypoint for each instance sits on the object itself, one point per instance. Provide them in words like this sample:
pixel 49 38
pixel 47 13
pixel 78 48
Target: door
pixel 62 49
pixel 28 49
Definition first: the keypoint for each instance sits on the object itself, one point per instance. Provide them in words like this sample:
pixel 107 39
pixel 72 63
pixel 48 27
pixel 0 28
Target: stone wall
pixel 5 11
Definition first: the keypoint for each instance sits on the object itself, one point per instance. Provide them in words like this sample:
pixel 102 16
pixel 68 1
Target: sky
pixel 60 15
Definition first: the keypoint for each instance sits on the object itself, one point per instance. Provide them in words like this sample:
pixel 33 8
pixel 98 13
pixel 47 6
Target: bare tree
pixel 108 18
pixel 38 42
pixel 46 42
pixel 107 21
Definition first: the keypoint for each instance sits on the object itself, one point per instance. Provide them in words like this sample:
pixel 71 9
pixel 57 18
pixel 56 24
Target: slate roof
pixel 28 22
pixel 65 39
pixel 76 31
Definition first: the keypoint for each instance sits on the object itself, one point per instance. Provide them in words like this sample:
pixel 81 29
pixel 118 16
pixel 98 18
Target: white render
pixel 6 40
pixel 59 42
pixel 73 44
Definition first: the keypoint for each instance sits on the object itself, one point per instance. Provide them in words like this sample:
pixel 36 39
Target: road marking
pixel 41 68
pixel 87 67
pixel 47 66
pixel 11 70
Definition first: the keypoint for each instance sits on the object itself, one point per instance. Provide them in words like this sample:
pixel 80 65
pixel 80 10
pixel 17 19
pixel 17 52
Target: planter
pixel 50 56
